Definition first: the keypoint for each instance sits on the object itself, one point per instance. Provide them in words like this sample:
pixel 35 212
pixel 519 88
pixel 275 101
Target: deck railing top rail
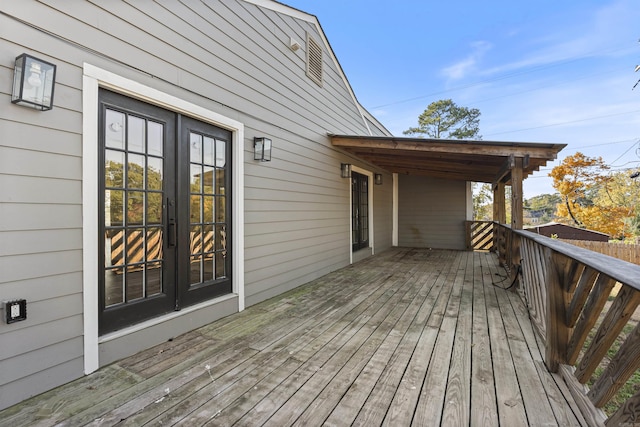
pixel 621 271
pixel 584 305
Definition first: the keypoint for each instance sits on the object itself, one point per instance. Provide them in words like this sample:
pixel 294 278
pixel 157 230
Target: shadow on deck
pixel 407 337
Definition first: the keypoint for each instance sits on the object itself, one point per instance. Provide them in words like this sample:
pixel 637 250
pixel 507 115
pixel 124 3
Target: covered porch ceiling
pixel 479 161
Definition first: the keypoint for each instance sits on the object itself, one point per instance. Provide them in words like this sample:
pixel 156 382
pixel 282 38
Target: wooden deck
pixel 407 337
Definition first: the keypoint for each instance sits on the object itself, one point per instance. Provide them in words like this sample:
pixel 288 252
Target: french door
pixel 164 211
pixel 359 211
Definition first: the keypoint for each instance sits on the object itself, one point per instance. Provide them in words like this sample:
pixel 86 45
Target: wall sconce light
pixel 377 178
pixel 33 82
pixel 345 170
pixel 262 149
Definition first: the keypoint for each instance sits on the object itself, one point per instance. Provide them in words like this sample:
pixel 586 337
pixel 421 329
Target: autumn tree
pixel 444 119
pixel 623 193
pixel 583 183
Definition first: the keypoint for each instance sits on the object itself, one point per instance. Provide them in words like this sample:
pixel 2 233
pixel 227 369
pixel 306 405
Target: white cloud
pixel 468 65
pixel 608 31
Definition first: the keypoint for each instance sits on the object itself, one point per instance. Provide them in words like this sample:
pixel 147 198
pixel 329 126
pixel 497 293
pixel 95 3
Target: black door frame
pixel 359 219
pixel 176 290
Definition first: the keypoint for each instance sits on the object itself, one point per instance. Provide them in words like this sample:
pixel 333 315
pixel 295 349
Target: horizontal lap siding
pixel 431 212
pixel 228 56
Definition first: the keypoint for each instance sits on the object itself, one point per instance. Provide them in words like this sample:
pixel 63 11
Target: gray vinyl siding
pixel 228 56
pixel 431 212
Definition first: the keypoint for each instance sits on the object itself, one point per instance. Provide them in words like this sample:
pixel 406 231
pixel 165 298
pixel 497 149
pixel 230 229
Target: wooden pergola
pixel 499 163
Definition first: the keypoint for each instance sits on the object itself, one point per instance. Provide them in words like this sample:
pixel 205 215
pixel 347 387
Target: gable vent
pixel 314 60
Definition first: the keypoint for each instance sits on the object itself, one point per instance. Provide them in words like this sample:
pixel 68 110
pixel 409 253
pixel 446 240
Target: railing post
pixel 556 325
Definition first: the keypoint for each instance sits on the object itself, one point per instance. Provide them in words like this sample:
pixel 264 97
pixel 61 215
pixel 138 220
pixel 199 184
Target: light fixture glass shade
pixel 345 170
pixel 377 179
pixel 262 149
pixel 33 82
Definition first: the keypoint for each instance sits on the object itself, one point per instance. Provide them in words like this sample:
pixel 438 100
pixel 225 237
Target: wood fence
pixel 590 336
pixel 623 251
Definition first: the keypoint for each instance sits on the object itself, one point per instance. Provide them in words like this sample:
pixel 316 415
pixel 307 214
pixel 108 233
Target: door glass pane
pixel 135 283
pixel 207 180
pixel 221 209
pixel 221 241
pixel 195 268
pixel 221 154
pixel 136 135
pixel 154 208
pixel 113 286
pixel 155 138
pixel 154 279
pixel 221 271
pixel 196 148
pixel 220 181
pixel 115 127
pixel 209 151
pixel 135 171
pixel 154 244
pixel 135 246
pixel 209 209
pixel 208 267
pixel 207 239
pixel 154 173
pixel 135 208
pixel 196 240
pixel 114 169
pixel 194 209
pixel 113 208
pixel 196 178
pixel 114 248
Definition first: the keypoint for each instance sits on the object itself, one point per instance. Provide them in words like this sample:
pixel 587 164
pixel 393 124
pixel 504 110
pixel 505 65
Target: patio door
pixel 164 212
pixel 359 211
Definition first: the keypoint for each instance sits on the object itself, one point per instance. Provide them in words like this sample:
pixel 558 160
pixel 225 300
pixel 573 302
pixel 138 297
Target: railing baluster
pixel 556 328
pixel 621 310
pixel 585 284
pixel 589 316
pixel 621 367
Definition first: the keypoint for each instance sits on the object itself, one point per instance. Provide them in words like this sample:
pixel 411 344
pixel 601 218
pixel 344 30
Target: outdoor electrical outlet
pixel 15 310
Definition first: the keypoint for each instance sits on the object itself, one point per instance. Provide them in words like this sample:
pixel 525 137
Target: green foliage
pixel 444 119
pixel 482 202
pixel 542 207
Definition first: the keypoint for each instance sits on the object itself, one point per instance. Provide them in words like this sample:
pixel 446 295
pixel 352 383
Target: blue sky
pixel 544 71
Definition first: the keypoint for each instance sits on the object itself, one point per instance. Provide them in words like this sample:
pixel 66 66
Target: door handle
pixel 171 222
pixel 171 231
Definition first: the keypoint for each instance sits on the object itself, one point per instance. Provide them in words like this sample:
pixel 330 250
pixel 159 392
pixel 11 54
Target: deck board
pixel 407 337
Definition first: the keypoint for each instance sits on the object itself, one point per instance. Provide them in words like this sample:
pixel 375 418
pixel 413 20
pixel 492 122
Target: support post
pixel 499 213
pixel 516 195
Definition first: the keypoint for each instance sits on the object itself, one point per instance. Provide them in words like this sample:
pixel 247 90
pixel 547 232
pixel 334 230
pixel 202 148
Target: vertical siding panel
pixel 431 212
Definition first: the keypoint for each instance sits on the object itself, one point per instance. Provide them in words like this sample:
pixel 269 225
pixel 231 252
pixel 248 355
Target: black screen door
pixel 164 211
pixel 359 211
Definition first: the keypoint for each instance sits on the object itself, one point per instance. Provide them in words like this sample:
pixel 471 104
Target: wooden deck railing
pixel 479 235
pixel 582 304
